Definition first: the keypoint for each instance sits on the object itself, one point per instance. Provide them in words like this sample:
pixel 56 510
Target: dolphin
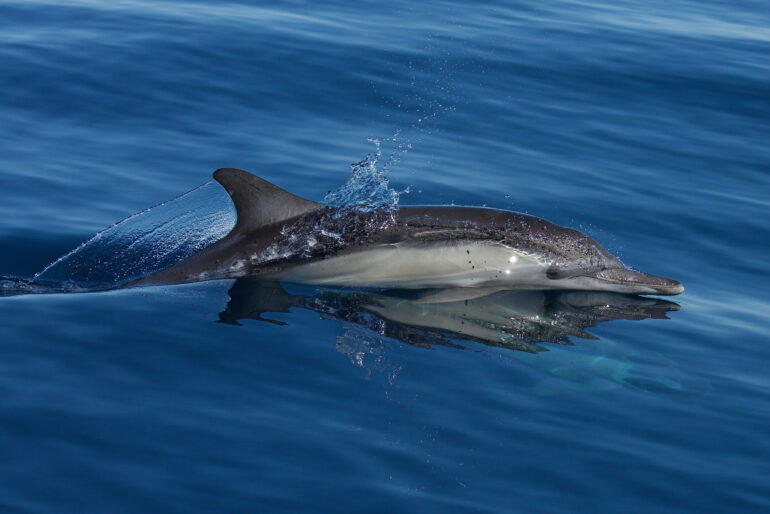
pixel 280 236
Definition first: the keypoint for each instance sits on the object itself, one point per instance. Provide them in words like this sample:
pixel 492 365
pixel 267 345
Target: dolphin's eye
pixel 552 273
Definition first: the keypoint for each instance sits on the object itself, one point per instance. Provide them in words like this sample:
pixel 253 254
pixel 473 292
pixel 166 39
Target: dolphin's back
pixel 561 247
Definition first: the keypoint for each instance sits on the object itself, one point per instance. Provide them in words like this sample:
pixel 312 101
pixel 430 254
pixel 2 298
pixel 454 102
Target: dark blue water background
pixel 643 124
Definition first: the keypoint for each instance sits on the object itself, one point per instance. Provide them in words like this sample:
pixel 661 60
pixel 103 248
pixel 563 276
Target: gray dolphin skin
pixel 279 236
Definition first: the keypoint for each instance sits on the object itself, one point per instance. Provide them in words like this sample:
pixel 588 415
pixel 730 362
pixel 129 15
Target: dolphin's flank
pixel 281 236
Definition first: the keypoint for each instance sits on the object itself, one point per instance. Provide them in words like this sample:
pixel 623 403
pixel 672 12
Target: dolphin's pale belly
pixel 424 265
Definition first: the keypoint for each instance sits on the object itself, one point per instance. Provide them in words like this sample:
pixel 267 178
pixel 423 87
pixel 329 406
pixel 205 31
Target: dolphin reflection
pixel 513 319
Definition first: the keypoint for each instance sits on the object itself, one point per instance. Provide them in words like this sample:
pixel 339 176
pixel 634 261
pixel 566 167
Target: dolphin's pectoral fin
pixel 258 202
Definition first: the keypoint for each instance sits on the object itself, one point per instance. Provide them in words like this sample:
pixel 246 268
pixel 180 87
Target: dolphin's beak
pixel 643 282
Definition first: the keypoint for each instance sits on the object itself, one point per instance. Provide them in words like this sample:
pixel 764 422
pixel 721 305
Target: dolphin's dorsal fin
pixel 258 202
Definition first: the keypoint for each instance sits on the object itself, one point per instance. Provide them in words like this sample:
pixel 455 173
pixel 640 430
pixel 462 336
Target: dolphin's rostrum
pixel 281 236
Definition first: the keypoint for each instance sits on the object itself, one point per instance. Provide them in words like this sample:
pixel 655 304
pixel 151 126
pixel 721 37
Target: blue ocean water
pixel 642 124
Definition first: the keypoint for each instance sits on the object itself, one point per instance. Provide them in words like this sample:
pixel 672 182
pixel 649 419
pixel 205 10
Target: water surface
pixel 642 125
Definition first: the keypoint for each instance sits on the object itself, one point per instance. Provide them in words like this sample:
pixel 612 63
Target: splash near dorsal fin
pixel 258 202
